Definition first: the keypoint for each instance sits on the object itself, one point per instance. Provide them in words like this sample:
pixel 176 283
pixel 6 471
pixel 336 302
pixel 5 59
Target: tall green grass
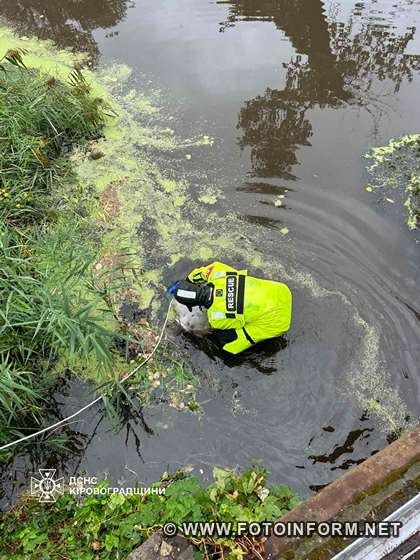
pixel 39 319
pixel 49 304
pixel 41 119
pixel 20 400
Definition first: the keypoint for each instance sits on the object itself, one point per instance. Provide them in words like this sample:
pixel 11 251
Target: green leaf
pixel 221 477
pixel 116 500
pixel 181 487
pixel 111 541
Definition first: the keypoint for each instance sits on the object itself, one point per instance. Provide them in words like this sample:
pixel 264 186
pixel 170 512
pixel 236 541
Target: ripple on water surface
pixel 323 398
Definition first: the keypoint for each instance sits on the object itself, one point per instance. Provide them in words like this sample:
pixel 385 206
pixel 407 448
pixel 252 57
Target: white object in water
pixel 194 321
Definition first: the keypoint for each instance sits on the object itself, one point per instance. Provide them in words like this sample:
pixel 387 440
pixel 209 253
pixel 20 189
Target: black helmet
pixel 193 294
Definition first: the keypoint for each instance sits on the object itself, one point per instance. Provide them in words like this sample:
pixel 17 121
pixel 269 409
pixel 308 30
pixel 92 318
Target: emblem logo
pixel 47 487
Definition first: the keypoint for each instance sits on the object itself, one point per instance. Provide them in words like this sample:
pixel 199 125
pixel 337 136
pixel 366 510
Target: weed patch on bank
pixel 110 525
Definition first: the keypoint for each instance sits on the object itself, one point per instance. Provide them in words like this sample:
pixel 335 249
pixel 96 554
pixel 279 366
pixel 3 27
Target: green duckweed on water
pixel 397 166
pixel 143 200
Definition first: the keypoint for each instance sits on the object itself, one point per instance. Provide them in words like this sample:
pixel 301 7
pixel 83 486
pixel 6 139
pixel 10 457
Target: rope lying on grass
pixel 98 399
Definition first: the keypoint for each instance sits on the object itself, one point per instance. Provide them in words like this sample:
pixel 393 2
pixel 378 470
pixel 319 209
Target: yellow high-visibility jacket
pixel 256 309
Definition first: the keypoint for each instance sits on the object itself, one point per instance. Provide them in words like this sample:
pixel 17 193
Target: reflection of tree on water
pixel 69 23
pixel 336 63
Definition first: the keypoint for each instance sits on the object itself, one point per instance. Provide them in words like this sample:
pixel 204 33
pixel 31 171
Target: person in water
pixel 243 310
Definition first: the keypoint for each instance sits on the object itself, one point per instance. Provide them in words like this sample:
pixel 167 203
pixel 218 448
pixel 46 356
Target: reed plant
pixel 41 120
pixel 49 304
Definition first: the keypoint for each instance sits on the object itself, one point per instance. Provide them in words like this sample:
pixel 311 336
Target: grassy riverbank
pixel 107 527
pixel 62 279
pixel 50 305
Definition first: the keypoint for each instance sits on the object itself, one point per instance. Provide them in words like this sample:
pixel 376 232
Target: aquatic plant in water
pixel 397 166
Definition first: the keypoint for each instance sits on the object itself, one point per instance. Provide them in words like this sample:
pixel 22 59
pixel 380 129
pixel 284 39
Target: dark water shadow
pixel 263 188
pixel 65 447
pixel 53 449
pixel 254 358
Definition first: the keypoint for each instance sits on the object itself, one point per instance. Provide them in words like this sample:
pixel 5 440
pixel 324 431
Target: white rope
pixel 98 399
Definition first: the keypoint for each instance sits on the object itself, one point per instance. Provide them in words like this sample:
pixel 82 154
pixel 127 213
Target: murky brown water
pixel 295 91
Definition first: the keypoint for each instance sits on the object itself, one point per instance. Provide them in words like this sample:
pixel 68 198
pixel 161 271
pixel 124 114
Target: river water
pixel 294 92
